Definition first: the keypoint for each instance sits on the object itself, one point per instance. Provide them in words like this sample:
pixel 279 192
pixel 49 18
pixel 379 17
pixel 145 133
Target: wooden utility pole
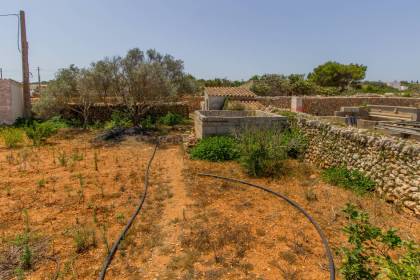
pixel 39 81
pixel 25 66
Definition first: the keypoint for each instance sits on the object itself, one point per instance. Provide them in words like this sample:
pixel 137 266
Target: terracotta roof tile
pixel 229 91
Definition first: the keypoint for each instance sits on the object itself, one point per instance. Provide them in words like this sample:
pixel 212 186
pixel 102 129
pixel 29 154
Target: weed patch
pixel 373 253
pixel 262 152
pixel 216 148
pixel 84 238
pixel 39 132
pixel 349 179
pixel 171 119
pixel 12 137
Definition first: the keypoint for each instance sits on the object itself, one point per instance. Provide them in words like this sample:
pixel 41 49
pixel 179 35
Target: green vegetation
pixel 376 87
pixel 12 137
pixel 39 132
pixel 334 74
pixel 119 119
pixel 277 84
pixel 262 152
pixel 373 253
pixel 148 123
pixel 216 148
pixel 220 83
pixel 295 142
pixel 84 238
pixel 135 80
pixel 349 179
pixel 171 119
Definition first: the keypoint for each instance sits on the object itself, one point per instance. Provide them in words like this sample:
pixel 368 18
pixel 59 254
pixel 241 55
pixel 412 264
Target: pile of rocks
pixel 393 163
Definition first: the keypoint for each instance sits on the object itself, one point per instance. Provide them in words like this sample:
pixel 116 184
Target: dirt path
pixel 170 165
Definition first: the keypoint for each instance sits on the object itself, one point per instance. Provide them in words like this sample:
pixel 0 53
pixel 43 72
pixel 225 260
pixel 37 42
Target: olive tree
pixel 72 89
pixel 147 78
pixel 138 80
pixel 103 78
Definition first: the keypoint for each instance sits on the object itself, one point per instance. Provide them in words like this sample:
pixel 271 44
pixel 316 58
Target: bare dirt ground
pixel 191 227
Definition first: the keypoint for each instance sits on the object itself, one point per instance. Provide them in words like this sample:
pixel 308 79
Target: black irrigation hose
pixel 297 206
pixel 114 248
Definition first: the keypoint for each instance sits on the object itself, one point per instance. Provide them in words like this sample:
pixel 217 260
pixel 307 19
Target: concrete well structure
pixel 11 101
pixel 224 122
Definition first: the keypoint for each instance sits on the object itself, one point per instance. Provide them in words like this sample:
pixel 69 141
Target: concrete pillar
pixel 297 104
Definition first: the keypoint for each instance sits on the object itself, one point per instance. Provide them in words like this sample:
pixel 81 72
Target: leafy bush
pixel 295 142
pixel 350 179
pixel 40 132
pixel 261 151
pixel 12 137
pixel 216 148
pixel 148 123
pixel 171 119
pixel 376 254
pixel 119 119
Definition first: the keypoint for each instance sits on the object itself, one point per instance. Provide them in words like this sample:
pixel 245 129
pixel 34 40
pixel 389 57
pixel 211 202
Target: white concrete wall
pixel 17 108
pixel 11 101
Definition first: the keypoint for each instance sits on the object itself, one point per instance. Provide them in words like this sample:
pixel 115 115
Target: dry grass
pixel 284 244
pixel 222 231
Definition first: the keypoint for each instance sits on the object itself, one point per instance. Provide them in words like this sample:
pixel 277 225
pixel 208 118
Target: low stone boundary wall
pixel 392 163
pixel 223 122
pixel 283 102
pixel 326 106
pixel 102 112
pixel 193 102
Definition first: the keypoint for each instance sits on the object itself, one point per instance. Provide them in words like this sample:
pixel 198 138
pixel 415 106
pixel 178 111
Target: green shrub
pixel 148 123
pixel 216 148
pixel 295 142
pixel 119 119
pixel 26 257
pixel 349 179
pixel 373 253
pixel 39 132
pixel 84 238
pixel 171 119
pixel 12 137
pixel 262 151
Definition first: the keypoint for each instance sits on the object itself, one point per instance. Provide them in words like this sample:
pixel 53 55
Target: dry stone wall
pixel 394 164
pixel 327 105
pixel 101 113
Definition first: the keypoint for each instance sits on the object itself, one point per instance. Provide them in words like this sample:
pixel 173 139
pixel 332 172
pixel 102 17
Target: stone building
pixel 11 101
pixel 215 97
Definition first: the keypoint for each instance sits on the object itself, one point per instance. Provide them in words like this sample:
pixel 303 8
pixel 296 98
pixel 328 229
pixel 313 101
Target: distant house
pixel 11 101
pixel 215 97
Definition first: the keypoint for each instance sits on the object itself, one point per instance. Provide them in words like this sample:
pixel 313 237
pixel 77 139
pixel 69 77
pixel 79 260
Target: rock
pixel 410 204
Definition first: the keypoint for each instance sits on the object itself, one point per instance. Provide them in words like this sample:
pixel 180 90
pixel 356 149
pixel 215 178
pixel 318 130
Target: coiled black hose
pixel 297 206
pixel 114 248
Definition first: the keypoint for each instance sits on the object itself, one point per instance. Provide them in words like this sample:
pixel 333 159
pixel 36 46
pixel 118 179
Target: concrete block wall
pixel 11 101
pixel 223 122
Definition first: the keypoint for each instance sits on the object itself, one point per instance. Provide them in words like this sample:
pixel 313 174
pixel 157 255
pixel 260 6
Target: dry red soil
pixel 191 227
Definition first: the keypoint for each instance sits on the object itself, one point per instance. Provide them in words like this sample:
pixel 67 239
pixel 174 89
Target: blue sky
pixel 220 38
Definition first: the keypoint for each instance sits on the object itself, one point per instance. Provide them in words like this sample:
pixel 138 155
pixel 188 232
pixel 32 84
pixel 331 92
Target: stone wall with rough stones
pixel 393 163
pixel 327 105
